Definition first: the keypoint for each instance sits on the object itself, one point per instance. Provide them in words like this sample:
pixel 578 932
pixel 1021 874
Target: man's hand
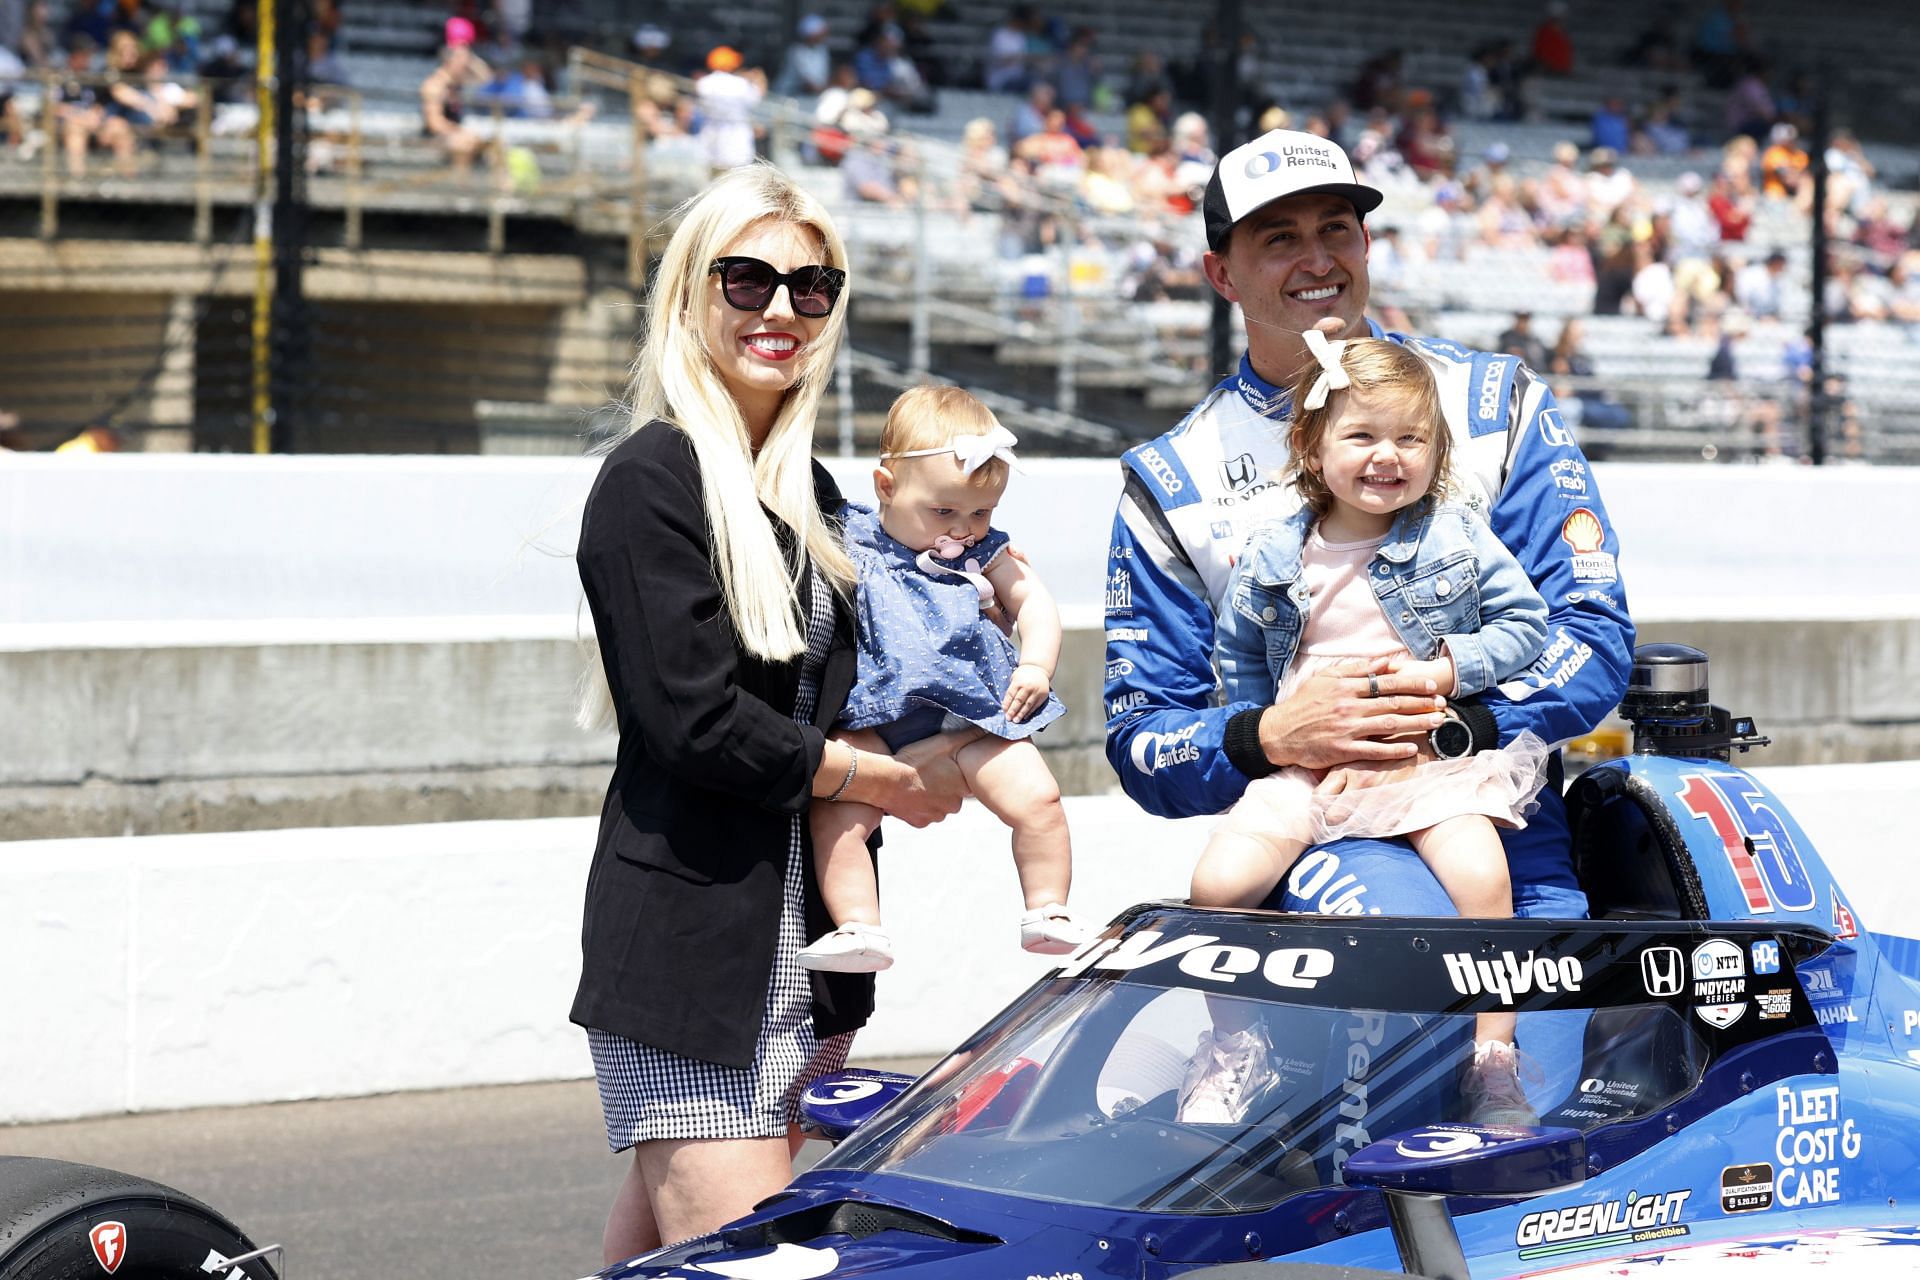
pixel 1362 774
pixel 937 786
pixel 1350 713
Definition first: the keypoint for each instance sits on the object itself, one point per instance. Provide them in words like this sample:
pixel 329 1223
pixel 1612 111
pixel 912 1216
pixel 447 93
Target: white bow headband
pixel 1332 376
pixel 972 452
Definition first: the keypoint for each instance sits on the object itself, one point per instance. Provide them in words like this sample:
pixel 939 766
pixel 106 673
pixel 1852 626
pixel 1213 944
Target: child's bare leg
pixel 844 868
pixel 1238 869
pixel 1013 781
pixel 1467 858
pixel 840 859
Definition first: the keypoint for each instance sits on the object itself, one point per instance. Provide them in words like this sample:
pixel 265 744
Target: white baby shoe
pixel 1052 930
pixel 852 948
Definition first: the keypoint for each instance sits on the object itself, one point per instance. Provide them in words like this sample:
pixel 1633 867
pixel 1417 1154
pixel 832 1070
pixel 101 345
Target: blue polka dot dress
pixel 927 655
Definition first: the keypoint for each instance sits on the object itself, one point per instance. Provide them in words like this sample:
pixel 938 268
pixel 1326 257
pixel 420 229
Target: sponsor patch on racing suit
pixel 1191 498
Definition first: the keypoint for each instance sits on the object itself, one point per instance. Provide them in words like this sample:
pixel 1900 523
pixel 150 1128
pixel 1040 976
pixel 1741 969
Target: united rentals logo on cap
pixel 1275 165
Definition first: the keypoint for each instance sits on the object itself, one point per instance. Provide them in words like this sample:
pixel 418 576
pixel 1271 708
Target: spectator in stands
pixel 1056 155
pixel 1750 106
pixel 1879 233
pixel 1150 119
pixel 1662 132
pixel 1520 340
pixel 224 74
pixel 1608 185
pixel 1732 209
pixel 1562 191
pixel 1783 165
pixel 727 96
pixel 1903 289
pixel 1584 403
pixel 1076 75
pixel 1760 287
pixel 1424 142
pixel 11 437
pixel 36 43
pixel 985 184
pixel 1552 42
pixel 868 171
pixel 809 63
pixel 650 43
pixel 1847 164
pixel 1007 69
pixel 1611 127
pixel 443 100
pixel 884 67
pixel 324 66
pixel 1030 117
pixel 1148 76
pixel 828 141
pixel 1694 230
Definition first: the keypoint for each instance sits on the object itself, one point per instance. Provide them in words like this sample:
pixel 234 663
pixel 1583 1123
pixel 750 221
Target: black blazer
pixel 684 896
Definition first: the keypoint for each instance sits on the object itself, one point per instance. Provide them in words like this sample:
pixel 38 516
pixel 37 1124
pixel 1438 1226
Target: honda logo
pixel 1663 971
pixel 1239 472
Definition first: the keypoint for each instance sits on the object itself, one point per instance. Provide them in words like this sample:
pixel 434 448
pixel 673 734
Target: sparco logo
pixel 1662 971
pixel 1490 390
pixel 1511 976
pixel 1155 751
pixel 1162 470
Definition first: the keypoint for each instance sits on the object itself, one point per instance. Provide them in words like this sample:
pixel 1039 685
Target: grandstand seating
pixel 1152 356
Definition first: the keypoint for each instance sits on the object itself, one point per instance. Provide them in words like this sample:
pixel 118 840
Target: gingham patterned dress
pixel 648 1093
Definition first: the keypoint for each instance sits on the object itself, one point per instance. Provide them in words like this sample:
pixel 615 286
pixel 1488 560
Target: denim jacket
pixel 1441 575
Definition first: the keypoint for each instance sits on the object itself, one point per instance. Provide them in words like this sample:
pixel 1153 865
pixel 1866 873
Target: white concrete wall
pixel 157 537
pixel 181 971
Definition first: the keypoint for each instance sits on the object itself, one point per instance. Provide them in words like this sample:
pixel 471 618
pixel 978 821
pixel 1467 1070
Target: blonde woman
pixel 719 591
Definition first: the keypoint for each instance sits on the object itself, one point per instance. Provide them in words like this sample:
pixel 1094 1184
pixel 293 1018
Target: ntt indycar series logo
pixel 1635 1220
pixel 1510 977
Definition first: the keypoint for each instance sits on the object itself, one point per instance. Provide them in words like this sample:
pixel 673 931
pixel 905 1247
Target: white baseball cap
pixel 1275 165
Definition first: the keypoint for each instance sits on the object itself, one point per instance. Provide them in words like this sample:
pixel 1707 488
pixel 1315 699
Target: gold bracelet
pixel 853 767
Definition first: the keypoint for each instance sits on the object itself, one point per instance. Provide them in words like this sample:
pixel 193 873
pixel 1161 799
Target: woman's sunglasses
pixel 748 285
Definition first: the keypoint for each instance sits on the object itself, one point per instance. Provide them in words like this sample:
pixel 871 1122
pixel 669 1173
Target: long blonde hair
pixel 674 379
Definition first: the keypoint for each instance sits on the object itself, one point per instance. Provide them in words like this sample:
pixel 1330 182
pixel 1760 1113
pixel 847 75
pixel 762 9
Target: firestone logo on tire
pixel 109 1241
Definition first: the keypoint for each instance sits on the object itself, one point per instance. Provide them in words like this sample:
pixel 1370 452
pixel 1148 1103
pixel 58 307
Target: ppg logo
pixel 1663 971
pixel 1766 957
pixel 1259 166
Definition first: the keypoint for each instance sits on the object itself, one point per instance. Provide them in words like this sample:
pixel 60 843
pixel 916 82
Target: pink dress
pixel 1346 623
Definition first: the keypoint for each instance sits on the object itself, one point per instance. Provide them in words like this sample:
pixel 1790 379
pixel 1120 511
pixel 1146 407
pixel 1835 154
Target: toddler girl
pixel 938 594
pixel 1377 562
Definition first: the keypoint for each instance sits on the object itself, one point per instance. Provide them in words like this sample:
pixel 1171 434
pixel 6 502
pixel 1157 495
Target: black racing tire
pixel 50 1208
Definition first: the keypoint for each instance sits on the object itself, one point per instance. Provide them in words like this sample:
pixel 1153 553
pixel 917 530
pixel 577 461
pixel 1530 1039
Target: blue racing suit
pixel 1193 495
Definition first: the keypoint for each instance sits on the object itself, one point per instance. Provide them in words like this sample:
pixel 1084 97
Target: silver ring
pixel 1373 686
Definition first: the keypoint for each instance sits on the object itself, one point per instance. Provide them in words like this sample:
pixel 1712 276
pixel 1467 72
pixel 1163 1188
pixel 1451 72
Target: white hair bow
pixel 972 452
pixel 1332 376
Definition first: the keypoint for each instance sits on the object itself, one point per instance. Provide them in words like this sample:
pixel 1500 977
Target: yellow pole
pixel 263 93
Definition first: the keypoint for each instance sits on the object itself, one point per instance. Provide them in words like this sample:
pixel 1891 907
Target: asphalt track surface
pixel 506 1183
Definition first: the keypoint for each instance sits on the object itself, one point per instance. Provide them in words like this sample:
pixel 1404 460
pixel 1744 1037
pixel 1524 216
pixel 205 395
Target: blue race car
pixel 1726 1068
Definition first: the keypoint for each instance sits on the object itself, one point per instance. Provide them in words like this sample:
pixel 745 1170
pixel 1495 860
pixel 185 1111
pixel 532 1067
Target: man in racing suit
pixel 1287 242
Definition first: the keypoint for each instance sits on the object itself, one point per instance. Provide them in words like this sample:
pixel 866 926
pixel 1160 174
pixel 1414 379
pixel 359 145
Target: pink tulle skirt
pixel 1500 785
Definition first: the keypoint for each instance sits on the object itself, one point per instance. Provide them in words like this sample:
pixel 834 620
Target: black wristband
pixel 1473 714
pixel 1242 744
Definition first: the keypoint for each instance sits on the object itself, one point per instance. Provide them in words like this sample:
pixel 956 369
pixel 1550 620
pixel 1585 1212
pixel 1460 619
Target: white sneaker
pixel 852 948
pixel 1490 1090
pixel 1052 930
pixel 1226 1075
